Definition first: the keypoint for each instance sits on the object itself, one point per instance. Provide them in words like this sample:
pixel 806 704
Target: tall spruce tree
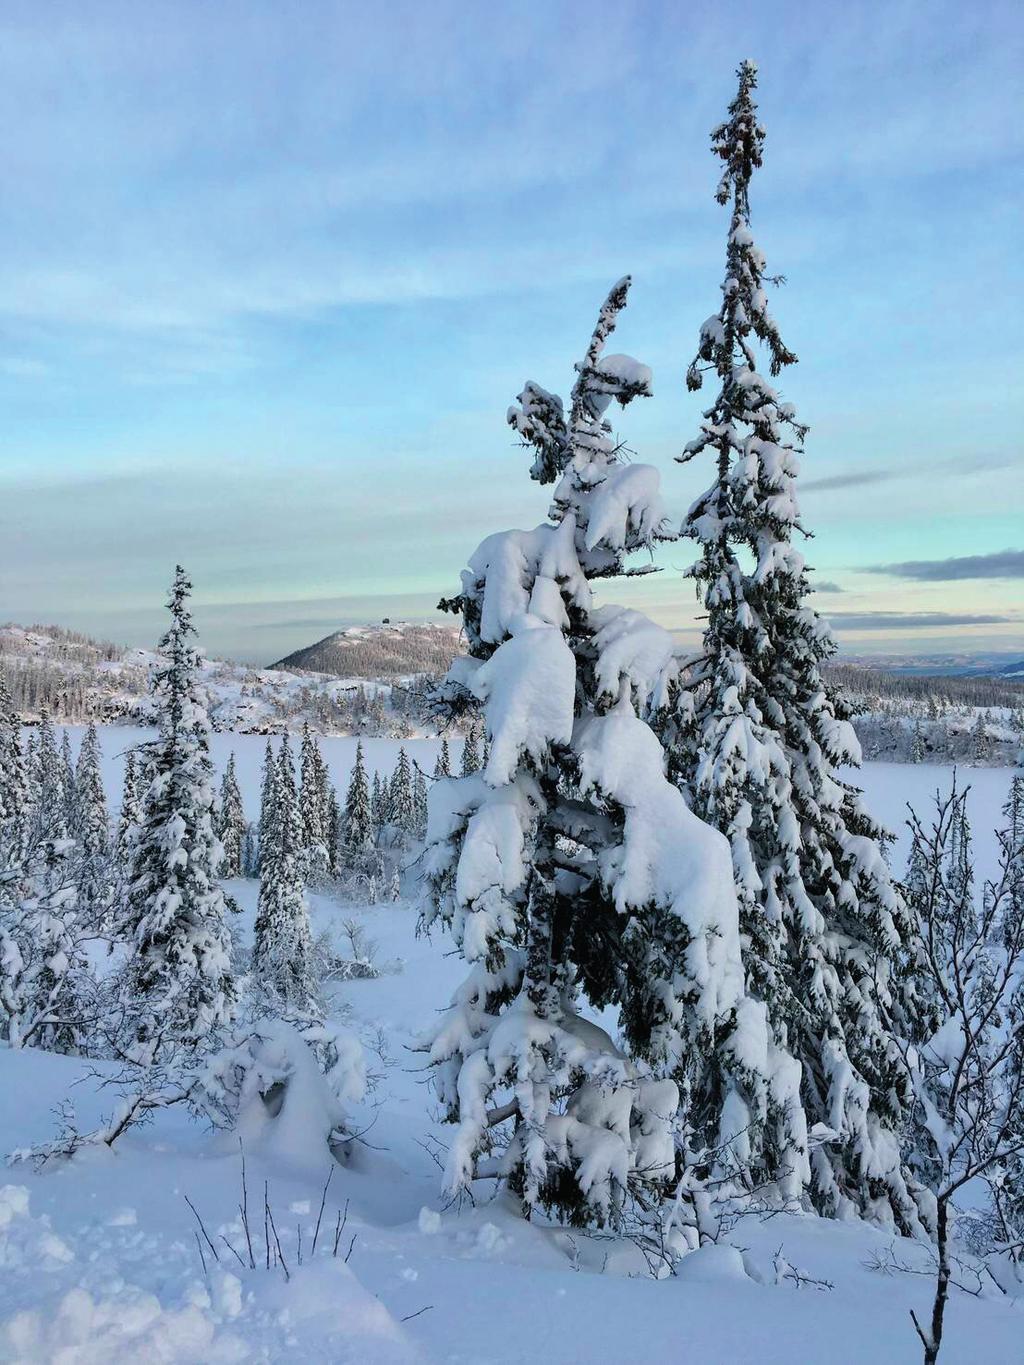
pixel 44 976
pixel 176 986
pixel 761 741
pixel 91 826
pixel 132 790
pixel 14 791
pixel 570 866
pixel 443 765
pixel 49 806
pixel 378 805
pixel 282 952
pixel 45 980
pixel 314 809
pixel 67 782
pixel 358 823
pixel 401 804
pixel 231 822
pixel 268 797
pixel 470 751
pixel 419 802
pixel 335 826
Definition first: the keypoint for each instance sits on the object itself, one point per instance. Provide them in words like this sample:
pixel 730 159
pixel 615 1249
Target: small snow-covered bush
pixel 285 1084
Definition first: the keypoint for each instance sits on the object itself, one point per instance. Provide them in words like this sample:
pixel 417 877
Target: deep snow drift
pixel 100 1260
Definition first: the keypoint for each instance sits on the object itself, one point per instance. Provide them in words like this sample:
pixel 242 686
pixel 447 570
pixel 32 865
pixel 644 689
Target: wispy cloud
pixel 965 466
pixel 825 585
pixel 853 480
pixel 1001 564
pixel 910 620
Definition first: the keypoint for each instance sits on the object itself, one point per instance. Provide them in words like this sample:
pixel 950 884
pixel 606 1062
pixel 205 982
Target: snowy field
pixel 99 1260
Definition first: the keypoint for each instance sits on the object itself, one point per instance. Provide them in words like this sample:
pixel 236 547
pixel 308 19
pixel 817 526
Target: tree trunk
pixel 932 1340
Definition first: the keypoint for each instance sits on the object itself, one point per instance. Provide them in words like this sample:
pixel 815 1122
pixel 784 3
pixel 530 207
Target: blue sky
pixel 270 274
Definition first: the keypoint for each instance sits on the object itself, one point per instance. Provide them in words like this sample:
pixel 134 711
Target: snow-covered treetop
pixel 755 433
pixel 740 142
pixel 174 680
pixel 602 509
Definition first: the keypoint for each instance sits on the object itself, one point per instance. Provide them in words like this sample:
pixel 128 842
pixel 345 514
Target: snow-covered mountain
pixel 389 650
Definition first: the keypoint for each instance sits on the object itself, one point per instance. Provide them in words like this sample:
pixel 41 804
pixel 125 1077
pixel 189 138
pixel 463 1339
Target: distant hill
pixel 77 679
pixel 389 650
pixel 977 664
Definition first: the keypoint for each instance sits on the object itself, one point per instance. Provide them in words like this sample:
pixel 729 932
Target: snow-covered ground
pixel 99 1260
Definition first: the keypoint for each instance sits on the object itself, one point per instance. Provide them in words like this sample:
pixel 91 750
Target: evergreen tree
pixel 761 740
pixel 231 825
pixel 44 976
pixel 282 944
pixel 470 751
pixel 401 808
pixel 130 815
pixel 918 750
pixel 67 783
pixel 268 793
pixel 14 790
pixel 335 828
pixel 419 803
pixel 92 826
pixel 378 805
pixel 313 811
pixel 177 989
pixel 570 864
pixel 443 766
pixel 358 829
pixel 981 748
pixel 49 815
pixel 251 851
pixel 92 823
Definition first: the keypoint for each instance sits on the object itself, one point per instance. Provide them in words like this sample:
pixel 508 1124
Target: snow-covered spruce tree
pixel 419 803
pixel 470 751
pixel 46 989
pixel 918 749
pixel 91 828
pixel 130 814
pixel 67 776
pixel 335 822
pixel 231 822
pixel 357 830
pixel 313 811
pixel 443 766
pixel 282 954
pixel 378 805
pixel 268 792
pixel 760 742
pixel 401 806
pixel 49 788
pixel 44 981
pixel 14 792
pixel 176 989
pixel 570 864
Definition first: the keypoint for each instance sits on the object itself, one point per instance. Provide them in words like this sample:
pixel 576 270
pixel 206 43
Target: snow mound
pixel 712 1263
